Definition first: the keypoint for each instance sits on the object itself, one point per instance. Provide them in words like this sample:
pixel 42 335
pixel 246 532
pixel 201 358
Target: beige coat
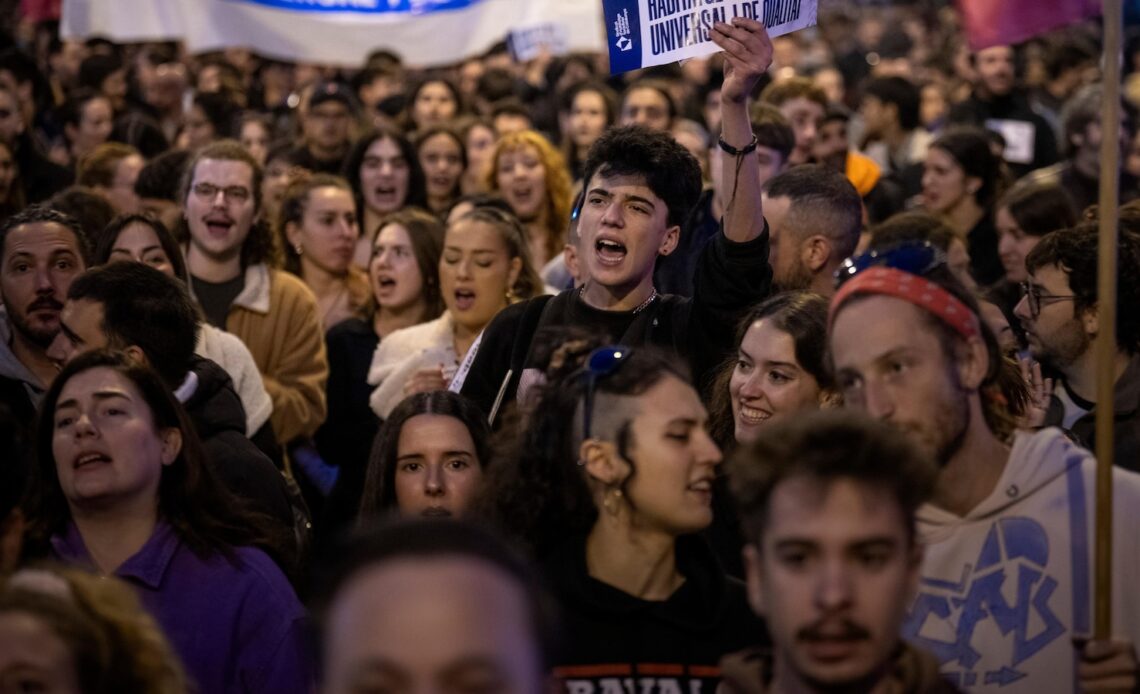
pixel 276 316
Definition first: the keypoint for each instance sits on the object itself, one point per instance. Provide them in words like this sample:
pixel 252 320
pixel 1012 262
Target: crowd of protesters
pixel 765 372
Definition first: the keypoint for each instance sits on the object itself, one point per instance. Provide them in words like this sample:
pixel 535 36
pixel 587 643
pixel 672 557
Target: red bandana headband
pixel 917 290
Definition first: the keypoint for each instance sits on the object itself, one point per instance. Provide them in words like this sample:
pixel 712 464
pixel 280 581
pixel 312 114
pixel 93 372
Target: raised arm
pixel 747 55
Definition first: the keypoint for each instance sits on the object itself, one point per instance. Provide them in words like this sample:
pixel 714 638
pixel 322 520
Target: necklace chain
pixel 638 309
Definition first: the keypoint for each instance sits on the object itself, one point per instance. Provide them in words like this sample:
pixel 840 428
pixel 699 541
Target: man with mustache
pixel 230 258
pixel 827 504
pixel 1005 596
pixel 41 252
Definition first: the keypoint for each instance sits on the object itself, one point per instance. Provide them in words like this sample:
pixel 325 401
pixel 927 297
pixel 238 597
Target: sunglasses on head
pixel 914 257
pixel 601 363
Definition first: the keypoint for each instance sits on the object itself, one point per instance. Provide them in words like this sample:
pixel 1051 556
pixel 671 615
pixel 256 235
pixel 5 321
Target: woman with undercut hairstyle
pixel 610 485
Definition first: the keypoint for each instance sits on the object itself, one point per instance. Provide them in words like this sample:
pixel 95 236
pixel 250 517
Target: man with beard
pixel 814 217
pixel 1005 598
pixel 230 258
pixel 41 252
pixel 1059 314
pixel 827 502
pixel 997 104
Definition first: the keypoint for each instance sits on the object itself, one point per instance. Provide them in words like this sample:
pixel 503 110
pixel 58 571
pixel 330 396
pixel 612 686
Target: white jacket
pixel 1005 589
pixel 230 353
pixel 401 354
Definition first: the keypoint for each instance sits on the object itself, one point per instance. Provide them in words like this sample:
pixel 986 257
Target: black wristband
pixel 750 147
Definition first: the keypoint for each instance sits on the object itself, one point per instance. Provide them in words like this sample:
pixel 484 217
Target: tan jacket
pixel 276 316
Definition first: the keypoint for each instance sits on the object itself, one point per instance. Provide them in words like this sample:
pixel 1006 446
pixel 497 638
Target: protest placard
pixel 528 43
pixel 642 33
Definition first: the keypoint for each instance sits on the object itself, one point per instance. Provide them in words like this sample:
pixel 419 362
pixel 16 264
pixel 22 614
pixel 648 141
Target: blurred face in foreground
pixel 450 624
pixel 833 575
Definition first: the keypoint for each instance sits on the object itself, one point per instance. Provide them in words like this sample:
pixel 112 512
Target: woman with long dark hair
pixel 120 486
pixel 610 486
pixel 429 458
pixel 403 276
pixel 779 367
pixel 384 172
pixel 960 180
pixel 483 269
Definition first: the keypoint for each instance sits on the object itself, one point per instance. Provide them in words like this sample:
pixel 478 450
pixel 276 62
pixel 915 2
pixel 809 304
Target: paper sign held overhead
pixel 528 43
pixel 642 33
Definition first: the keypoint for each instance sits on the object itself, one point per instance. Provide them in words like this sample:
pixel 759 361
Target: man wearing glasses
pixel 1058 312
pixel 273 313
pixel 1005 596
pixel 640 188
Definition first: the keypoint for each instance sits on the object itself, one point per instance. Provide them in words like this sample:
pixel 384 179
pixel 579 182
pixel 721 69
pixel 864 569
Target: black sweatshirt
pixel 614 641
pixel 730 278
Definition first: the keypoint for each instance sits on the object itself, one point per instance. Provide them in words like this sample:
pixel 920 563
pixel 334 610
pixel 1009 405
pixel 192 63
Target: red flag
pixel 1003 22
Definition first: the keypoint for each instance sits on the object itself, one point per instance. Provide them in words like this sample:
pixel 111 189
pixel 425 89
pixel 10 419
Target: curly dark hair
pixel 536 492
pixel 669 170
pixel 379 493
pixel 204 514
pixel 1074 251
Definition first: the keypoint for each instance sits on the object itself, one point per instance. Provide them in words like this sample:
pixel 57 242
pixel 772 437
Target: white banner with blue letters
pixel 334 32
pixel 642 33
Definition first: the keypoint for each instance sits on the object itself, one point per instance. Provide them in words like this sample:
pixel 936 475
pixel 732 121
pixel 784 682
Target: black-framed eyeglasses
pixel 601 363
pixel 1036 299
pixel 915 257
pixel 209 192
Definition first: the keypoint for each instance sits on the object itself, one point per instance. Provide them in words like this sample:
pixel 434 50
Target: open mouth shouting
pixel 609 252
pixel 218 226
pixel 385 284
pixel 464 299
pixel 89 460
pixel 386 197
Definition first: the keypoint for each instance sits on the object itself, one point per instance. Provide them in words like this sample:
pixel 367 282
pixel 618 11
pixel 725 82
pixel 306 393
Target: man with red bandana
pixel 1005 597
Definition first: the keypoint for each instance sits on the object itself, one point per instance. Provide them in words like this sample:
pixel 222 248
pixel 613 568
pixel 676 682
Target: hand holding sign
pixel 747 55
pixel 655 32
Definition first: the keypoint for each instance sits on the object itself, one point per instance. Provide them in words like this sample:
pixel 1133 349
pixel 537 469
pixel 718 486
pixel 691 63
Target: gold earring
pixel 611 502
pixel 510 296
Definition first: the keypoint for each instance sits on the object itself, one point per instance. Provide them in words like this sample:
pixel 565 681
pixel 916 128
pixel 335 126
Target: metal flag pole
pixel 1106 310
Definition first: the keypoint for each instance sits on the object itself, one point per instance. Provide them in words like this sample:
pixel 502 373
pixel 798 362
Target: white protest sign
pixel 642 33
pixel 528 43
pixel 1020 137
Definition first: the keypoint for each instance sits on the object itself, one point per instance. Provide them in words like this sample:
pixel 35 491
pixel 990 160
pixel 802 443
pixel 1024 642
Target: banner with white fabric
pixel 335 32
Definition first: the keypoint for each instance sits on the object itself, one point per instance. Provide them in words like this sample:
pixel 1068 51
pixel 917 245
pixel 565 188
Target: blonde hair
pixel 559 195
pixel 116 646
